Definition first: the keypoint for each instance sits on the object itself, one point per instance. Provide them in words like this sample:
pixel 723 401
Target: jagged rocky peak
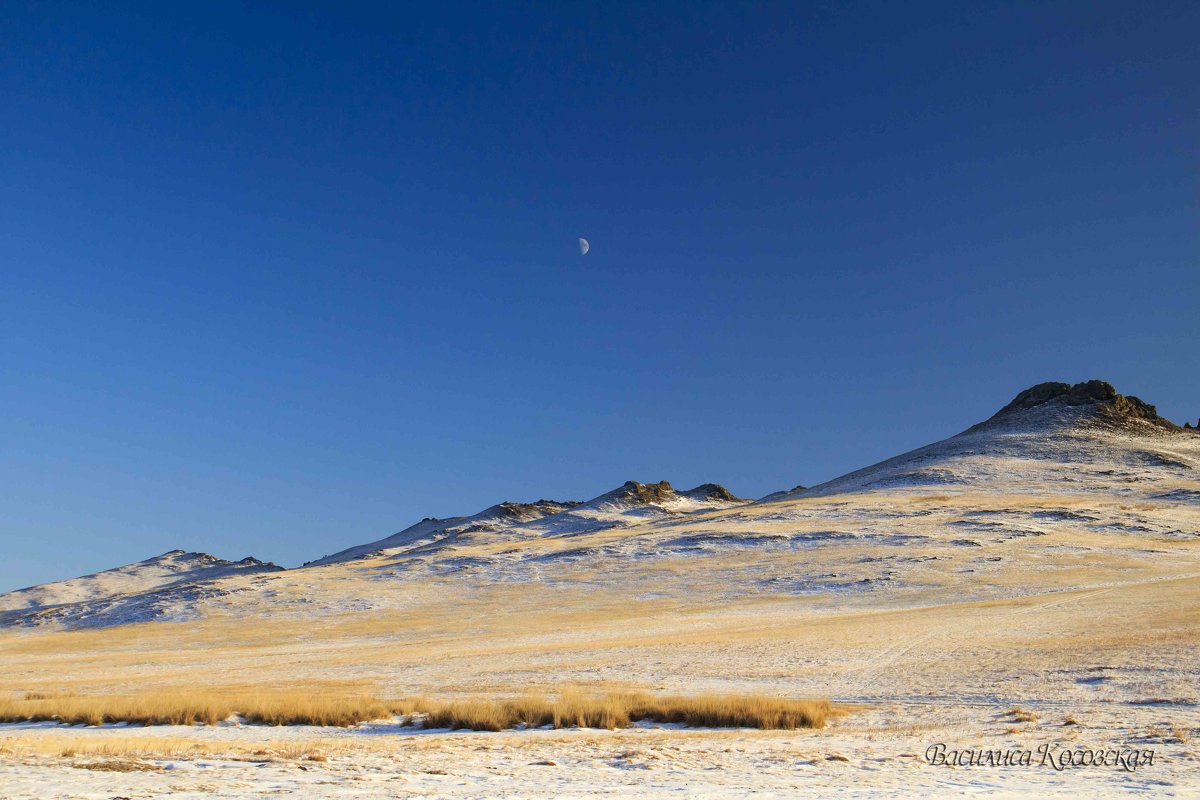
pixel 632 493
pixel 251 561
pixel 186 558
pixel 646 493
pixel 192 558
pixel 1093 398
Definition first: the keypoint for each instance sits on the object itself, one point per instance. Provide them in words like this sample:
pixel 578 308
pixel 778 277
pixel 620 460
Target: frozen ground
pixel 877 754
pixel 1111 668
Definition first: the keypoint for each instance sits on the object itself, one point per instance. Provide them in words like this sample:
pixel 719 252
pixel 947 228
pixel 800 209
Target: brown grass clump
pixel 1021 715
pixel 733 711
pixel 47 695
pixel 306 710
pixel 153 709
pixel 120 766
pixel 191 708
pixel 487 714
pixel 611 710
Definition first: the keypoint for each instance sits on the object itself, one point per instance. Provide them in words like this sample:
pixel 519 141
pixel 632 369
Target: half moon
pixel 584 247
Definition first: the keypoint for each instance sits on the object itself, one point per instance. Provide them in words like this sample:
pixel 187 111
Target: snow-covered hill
pixel 139 591
pixel 1061 476
pixel 1053 437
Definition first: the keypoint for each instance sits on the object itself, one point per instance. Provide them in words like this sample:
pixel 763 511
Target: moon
pixel 584 247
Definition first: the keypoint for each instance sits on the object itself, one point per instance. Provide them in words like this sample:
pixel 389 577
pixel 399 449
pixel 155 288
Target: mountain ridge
pixel 605 510
pixel 1052 440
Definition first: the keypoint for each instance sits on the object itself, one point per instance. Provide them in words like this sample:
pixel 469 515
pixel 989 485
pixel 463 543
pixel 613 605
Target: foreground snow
pixel 876 753
pixel 1102 669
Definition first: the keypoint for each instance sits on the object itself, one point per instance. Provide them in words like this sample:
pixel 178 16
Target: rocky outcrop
pixel 1098 397
pixel 541 508
pixel 713 491
pixel 632 493
pixel 644 493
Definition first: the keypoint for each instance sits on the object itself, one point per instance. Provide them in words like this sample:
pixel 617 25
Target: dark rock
pixel 531 510
pixel 713 491
pixel 632 493
pixel 1100 396
pixel 646 493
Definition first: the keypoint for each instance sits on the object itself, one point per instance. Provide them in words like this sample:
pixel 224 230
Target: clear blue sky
pixel 280 281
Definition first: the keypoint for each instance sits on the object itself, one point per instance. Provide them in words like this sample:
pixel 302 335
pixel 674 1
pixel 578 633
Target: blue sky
pixel 278 279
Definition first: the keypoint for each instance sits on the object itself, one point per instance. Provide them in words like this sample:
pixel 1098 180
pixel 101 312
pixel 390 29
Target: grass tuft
pixel 575 708
pixel 1021 715
pixel 114 765
pixel 195 708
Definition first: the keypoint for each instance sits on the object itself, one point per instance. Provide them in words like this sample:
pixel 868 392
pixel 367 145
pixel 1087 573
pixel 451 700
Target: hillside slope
pixel 1053 437
pixel 1063 488
pixel 134 592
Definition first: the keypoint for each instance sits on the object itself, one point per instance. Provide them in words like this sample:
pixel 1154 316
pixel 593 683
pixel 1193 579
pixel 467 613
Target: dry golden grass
pixel 1021 715
pixel 571 708
pixel 199 707
pixel 575 708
